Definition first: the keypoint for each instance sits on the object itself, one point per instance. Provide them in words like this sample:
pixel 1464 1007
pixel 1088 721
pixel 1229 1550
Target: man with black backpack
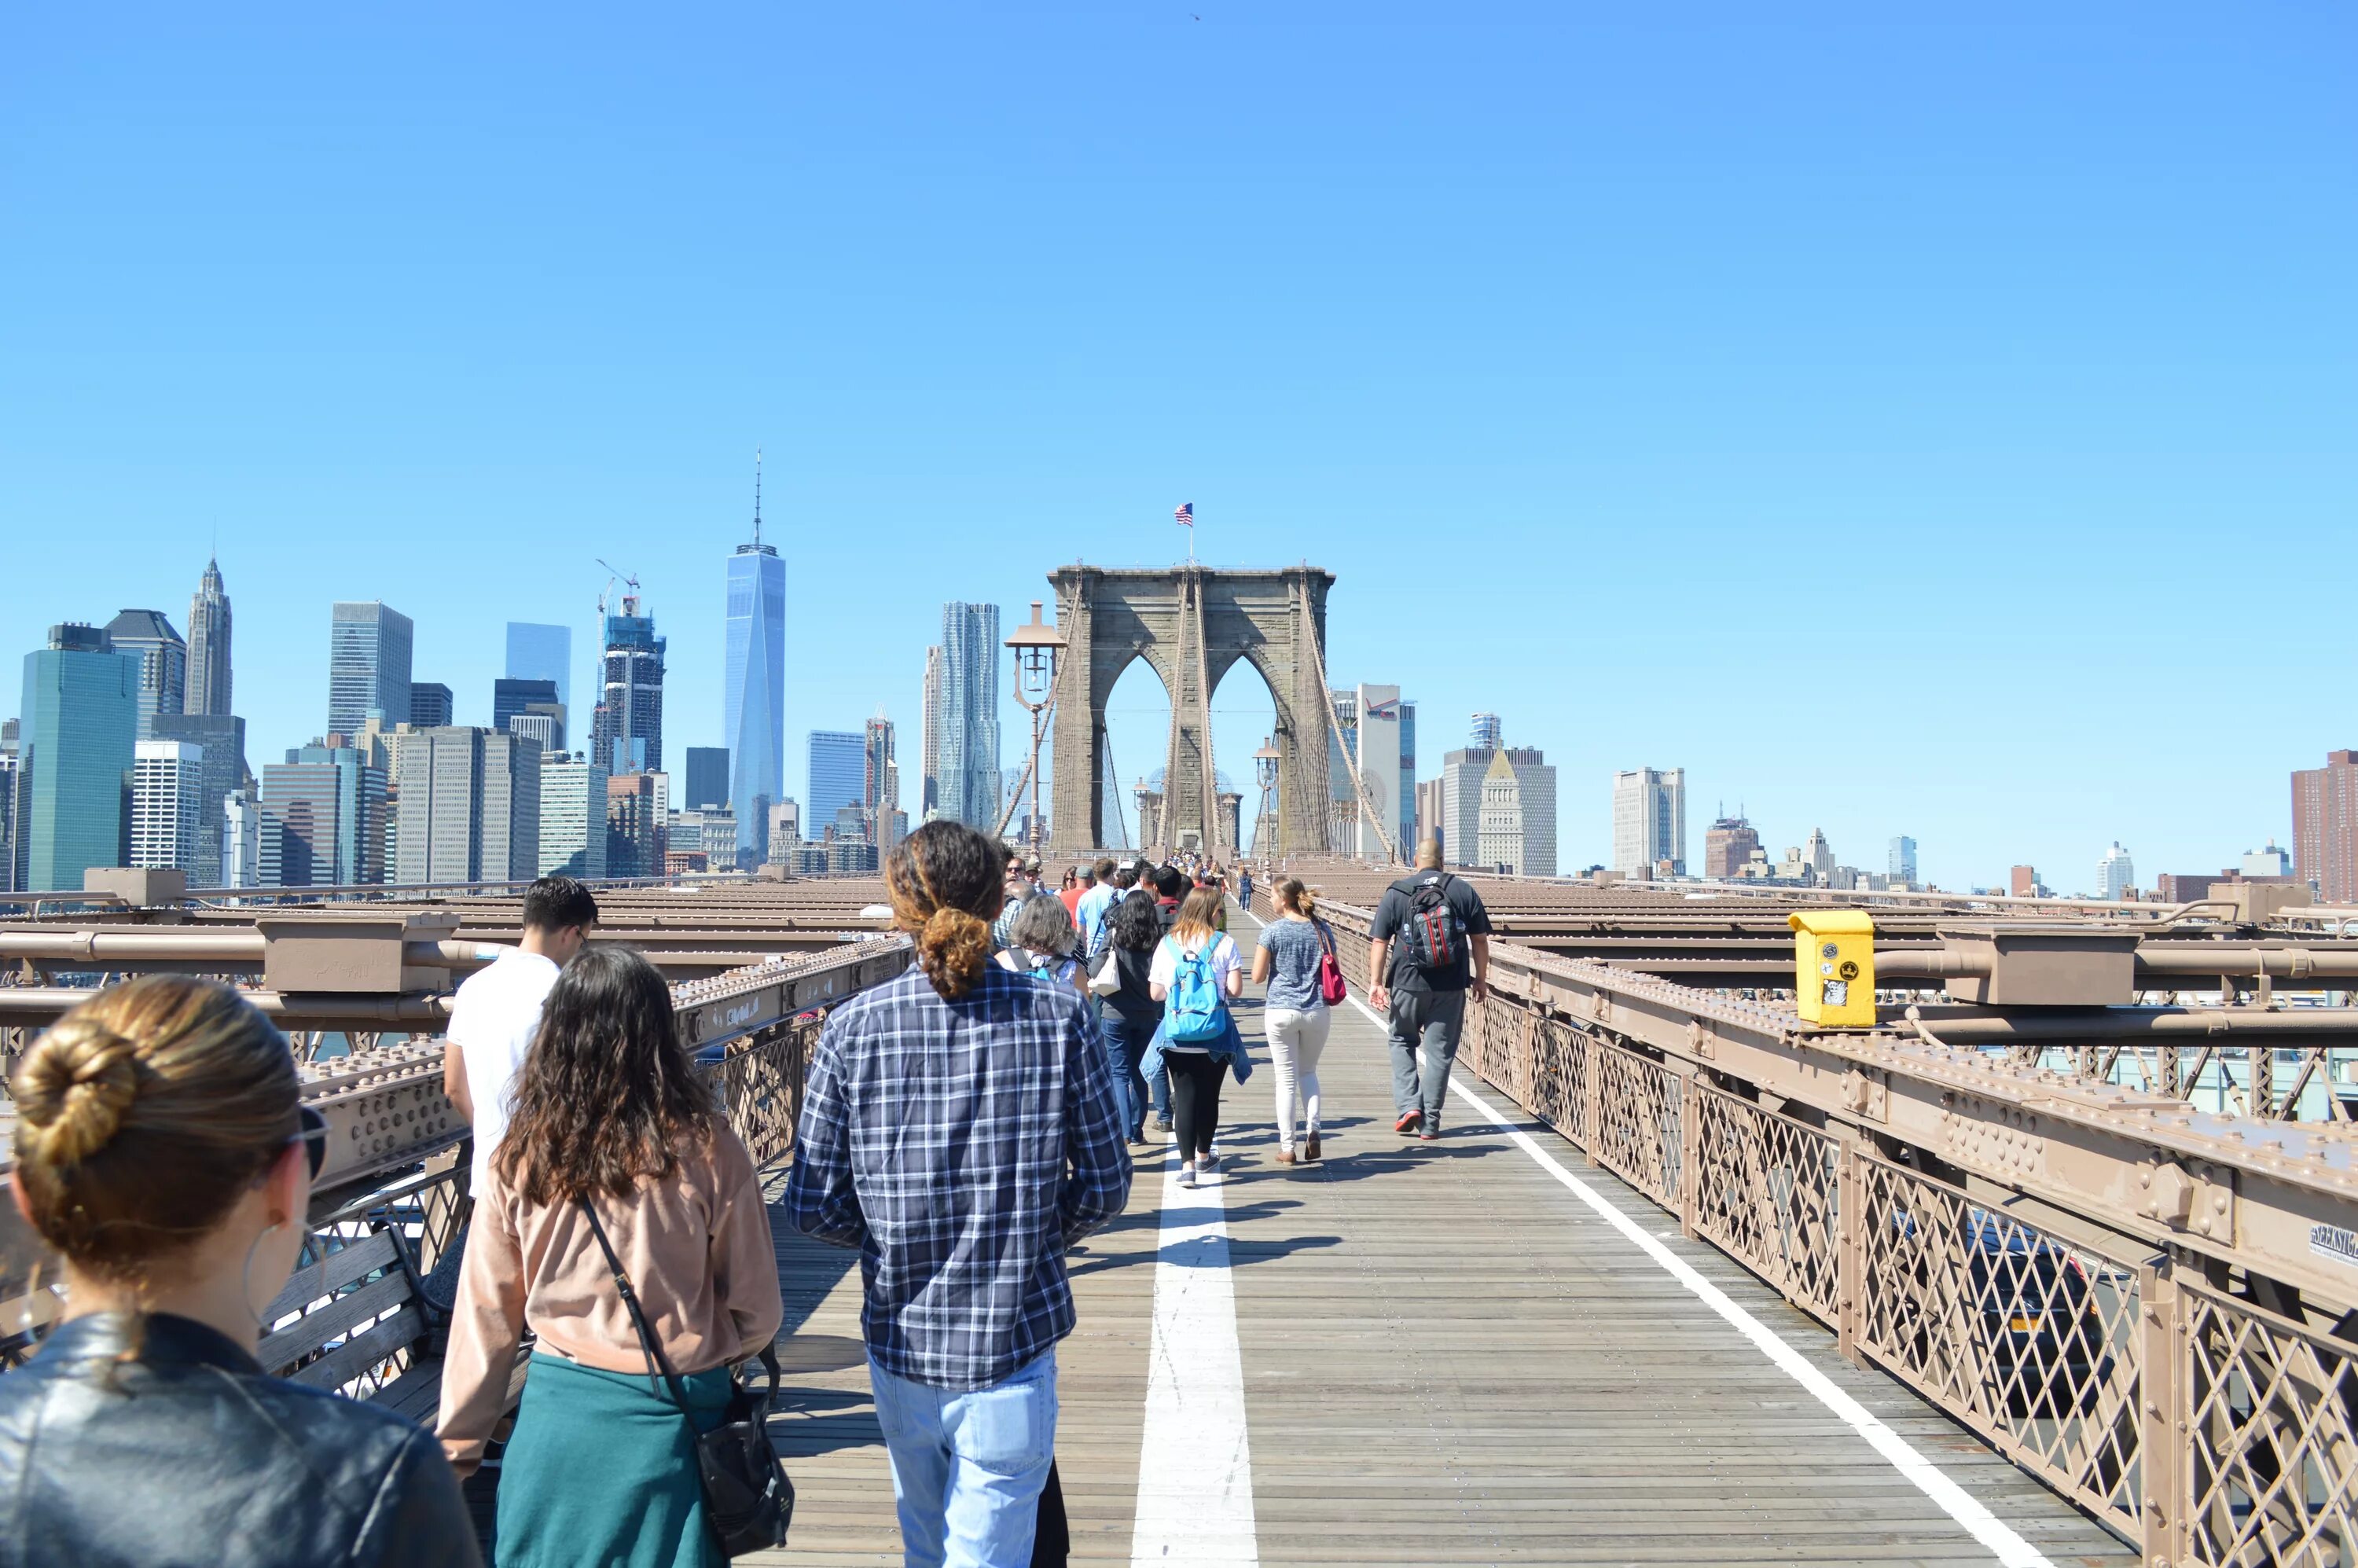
pixel 1443 952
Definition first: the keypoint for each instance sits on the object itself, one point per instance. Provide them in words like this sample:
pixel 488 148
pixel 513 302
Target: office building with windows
pixel 1728 846
pixel 929 739
pixel 706 785
pixel 542 652
pixel 837 772
pixel 514 695
pixel 166 785
pixel 368 665
pixel 163 662
pixel 572 815
pixel 1902 868
pixel 81 724
pixel 2115 873
pixel 1649 821
pixel 431 705
pixel 209 644
pixel 1462 773
pixel 972 786
pixel 879 786
pixel 323 819
pixel 468 802
pixel 220 736
pixel 240 850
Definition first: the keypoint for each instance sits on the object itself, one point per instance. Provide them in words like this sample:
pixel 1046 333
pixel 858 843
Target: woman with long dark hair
pixel 164 1151
pixel 612 1130
pixel 1129 1010
pixel 959 1128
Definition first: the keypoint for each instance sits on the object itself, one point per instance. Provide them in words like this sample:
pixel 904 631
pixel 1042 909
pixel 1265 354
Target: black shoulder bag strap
pixel 655 1358
pixel 748 1501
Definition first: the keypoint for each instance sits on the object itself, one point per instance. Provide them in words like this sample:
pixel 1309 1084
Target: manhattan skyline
pixel 1643 349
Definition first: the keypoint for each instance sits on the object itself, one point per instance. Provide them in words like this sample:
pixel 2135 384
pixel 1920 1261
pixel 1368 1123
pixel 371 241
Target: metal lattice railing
pixel 2030 1339
pixel 1767 1191
pixel 2189 1420
pixel 2272 1460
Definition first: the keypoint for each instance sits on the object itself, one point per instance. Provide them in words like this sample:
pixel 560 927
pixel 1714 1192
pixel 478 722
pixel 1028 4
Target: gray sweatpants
pixel 1429 1023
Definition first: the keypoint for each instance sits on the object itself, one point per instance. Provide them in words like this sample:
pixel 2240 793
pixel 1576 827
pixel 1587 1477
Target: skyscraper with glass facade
pixel 368 665
pixel 707 782
pixel 838 772
pixel 221 772
pixel 970 780
pixel 75 752
pixel 163 662
pixel 542 652
pixel 753 703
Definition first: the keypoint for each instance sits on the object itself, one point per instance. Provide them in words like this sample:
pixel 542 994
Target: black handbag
pixel 747 1500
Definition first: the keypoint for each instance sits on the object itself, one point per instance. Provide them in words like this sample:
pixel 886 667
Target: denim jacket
pixel 1228 1047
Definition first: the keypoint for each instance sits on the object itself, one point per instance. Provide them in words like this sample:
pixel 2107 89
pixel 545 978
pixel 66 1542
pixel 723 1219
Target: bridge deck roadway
pixel 1446 1356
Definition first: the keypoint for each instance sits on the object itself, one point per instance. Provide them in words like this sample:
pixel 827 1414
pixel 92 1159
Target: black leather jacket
pixel 190 1454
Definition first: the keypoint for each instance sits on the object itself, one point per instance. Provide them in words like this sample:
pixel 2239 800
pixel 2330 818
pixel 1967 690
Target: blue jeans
pixel 1125 1049
pixel 967 1467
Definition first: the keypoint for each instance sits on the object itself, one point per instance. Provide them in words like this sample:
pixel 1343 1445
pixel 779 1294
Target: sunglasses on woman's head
pixel 313 1137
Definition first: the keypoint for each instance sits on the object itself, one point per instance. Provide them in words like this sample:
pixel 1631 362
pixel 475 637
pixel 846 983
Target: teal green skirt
pixel 602 1471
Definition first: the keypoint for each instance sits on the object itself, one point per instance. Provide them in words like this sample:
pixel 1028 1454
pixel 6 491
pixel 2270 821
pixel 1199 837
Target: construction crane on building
pixel 630 599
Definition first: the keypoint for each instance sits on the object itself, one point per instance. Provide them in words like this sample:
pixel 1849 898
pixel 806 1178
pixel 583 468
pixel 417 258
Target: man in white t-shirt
pixel 496 1013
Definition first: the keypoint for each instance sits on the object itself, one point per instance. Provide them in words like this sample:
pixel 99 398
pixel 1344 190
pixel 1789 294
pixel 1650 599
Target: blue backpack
pixel 1193 1010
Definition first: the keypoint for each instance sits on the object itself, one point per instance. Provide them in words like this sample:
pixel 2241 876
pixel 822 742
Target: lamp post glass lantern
pixel 1039 649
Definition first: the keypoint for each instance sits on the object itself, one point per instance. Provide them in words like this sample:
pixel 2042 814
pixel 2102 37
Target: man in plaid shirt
pixel 960 1129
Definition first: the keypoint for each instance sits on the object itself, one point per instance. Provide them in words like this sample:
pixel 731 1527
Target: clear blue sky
pixel 1934 420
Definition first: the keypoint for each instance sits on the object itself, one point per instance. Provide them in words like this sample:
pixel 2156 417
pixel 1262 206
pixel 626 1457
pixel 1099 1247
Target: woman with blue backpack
pixel 1196 973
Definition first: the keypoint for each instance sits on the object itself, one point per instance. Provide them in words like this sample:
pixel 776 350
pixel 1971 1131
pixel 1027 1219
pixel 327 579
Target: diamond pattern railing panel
pixel 1766 1191
pixel 2025 1337
pixel 1561 1056
pixel 2273 1457
pixel 1638 1134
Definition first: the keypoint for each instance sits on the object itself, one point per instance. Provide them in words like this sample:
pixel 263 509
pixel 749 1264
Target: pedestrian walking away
pixel 1294 1015
pixel 960 1130
pixel 1442 953
pixel 492 1020
pixel 615 1142
pixel 1039 943
pixel 1096 903
pixel 1195 974
pixel 1129 1012
pixel 164 1155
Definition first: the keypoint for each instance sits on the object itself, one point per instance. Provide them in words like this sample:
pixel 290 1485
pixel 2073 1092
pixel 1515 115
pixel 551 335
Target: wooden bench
pixel 348 1322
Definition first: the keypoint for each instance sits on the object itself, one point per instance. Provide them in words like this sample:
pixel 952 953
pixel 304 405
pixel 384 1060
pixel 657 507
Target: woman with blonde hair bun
pixel 960 1129
pixel 163 1149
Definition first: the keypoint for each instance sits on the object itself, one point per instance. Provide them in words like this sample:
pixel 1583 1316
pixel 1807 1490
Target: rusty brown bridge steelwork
pixel 2005 1198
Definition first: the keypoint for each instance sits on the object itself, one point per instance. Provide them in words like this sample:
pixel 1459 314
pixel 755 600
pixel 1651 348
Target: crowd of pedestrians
pixel 964 1126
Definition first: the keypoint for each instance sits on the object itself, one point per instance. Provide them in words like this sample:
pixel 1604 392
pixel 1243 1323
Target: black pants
pixel 1195 1098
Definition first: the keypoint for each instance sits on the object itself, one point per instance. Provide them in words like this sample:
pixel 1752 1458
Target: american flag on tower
pixel 1185 516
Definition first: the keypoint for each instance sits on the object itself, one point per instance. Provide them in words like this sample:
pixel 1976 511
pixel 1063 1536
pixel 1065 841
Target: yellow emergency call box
pixel 1833 957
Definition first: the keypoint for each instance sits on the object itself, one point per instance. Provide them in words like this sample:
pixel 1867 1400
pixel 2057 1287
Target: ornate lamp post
pixel 1038 651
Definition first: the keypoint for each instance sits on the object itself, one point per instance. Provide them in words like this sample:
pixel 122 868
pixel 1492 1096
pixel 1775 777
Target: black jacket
pixel 190 1454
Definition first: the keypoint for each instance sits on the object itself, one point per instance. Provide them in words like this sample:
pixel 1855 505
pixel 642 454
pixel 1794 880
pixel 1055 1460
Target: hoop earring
pixel 245 1275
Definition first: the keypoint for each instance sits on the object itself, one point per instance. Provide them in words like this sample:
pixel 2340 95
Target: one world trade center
pixel 754 710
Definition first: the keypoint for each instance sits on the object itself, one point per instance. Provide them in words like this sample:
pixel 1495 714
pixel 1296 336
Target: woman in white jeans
pixel 1294 1012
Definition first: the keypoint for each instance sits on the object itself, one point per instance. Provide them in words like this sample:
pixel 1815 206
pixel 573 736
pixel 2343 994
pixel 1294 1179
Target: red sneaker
pixel 1409 1123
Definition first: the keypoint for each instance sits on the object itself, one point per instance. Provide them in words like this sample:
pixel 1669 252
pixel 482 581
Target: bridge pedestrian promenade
pixel 1464 1352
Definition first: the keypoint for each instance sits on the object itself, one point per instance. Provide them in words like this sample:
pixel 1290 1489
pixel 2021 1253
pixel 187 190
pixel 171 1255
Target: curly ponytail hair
pixel 142 1114
pixel 945 886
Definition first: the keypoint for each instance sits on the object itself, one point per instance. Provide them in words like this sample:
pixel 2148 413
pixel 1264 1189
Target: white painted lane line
pixel 1986 1527
pixel 1194 1461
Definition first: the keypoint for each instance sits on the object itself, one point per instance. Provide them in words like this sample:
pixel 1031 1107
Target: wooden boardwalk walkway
pixel 1447 1356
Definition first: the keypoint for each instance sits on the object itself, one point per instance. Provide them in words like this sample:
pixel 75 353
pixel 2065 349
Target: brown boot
pixel 1309 1149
